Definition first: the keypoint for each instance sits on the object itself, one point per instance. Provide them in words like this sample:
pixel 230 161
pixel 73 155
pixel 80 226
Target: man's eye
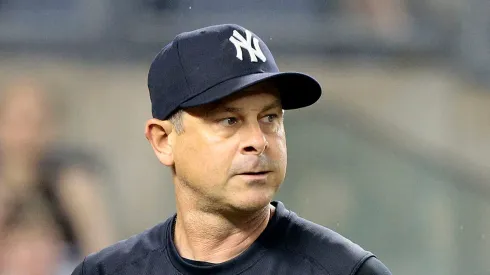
pixel 229 121
pixel 270 118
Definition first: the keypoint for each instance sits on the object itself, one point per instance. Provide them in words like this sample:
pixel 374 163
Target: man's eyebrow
pixel 274 104
pixel 219 108
pixel 230 109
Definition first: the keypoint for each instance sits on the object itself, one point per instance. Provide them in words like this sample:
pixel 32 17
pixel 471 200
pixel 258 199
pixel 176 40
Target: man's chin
pixel 251 204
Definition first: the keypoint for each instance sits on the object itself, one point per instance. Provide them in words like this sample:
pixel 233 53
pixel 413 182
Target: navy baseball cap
pixel 208 64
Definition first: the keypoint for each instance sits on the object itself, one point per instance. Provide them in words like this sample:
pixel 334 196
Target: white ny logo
pixel 240 42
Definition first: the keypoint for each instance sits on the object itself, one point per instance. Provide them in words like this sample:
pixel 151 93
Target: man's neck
pixel 209 237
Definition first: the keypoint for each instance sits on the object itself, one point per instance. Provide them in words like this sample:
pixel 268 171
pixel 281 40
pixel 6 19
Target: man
pixel 217 103
pixel 43 187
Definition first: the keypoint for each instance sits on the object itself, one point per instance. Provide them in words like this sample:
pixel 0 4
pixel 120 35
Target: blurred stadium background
pixel 395 156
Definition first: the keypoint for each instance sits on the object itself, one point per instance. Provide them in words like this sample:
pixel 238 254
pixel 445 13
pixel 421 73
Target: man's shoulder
pixel 323 246
pixel 135 249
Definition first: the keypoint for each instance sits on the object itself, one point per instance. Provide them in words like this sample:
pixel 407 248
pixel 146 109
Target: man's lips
pixel 258 174
pixel 254 173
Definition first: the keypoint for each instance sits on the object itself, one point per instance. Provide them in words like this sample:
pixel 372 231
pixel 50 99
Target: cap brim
pixel 297 90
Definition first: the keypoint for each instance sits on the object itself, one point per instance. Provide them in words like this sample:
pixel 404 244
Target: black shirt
pixel 288 245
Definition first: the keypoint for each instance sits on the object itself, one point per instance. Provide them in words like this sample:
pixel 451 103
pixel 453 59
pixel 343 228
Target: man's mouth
pixel 255 173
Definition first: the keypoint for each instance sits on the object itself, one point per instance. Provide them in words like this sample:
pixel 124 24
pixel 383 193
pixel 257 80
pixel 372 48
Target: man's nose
pixel 254 141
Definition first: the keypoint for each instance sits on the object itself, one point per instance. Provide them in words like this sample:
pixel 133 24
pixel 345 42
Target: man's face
pixel 24 125
pixel 232 154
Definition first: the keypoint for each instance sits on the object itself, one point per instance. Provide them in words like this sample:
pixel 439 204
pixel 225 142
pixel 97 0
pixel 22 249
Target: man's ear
pixel 158 134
